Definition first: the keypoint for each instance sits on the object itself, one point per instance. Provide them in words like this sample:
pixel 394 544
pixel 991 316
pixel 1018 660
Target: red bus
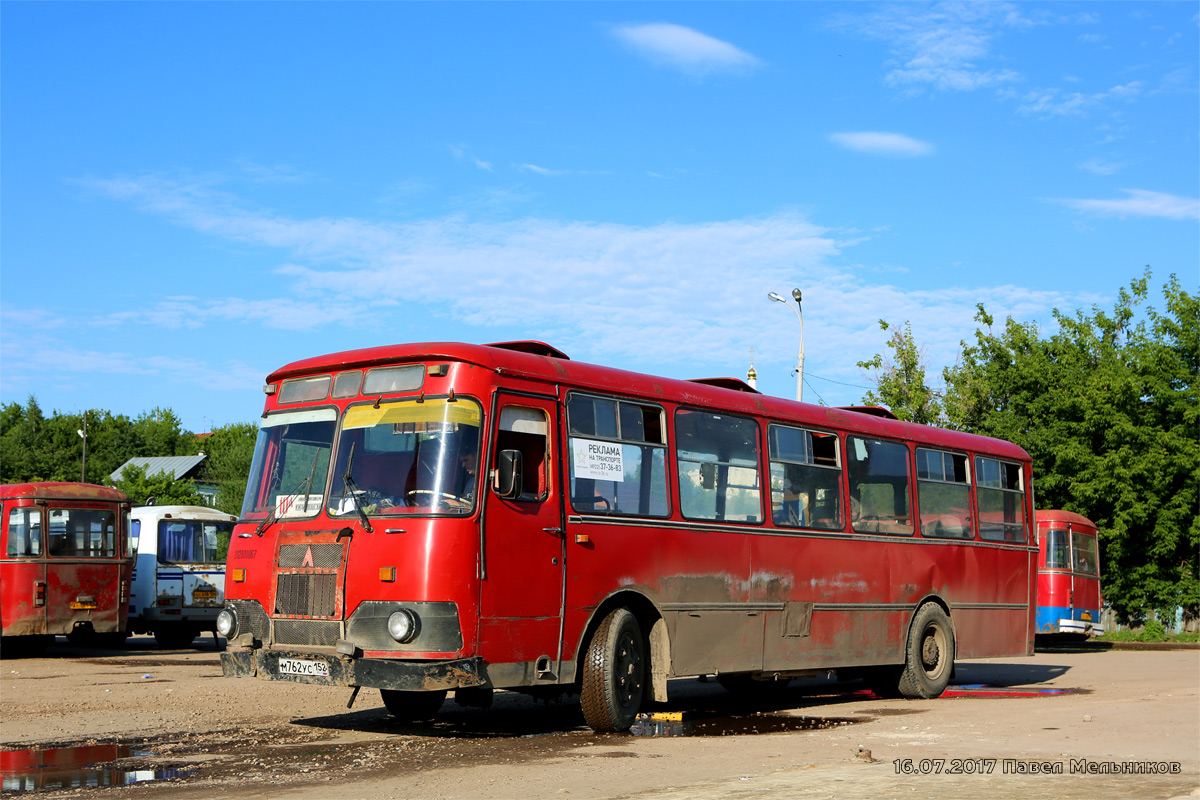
pixel 66 563
pixel 1069 596
pixel 431 517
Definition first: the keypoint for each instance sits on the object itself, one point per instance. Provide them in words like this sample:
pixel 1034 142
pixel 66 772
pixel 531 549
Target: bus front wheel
pixel 614 673
pixel 412 706
pixel 929 657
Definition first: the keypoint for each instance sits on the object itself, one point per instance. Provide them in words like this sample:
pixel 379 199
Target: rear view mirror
pixel 510 479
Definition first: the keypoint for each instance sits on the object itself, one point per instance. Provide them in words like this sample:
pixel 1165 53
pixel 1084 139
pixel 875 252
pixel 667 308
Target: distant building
pixel 177 467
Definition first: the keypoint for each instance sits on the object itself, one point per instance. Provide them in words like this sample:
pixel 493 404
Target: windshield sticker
pixel 297 505
pixel 600 460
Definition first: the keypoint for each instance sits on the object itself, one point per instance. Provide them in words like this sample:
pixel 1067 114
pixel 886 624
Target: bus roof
pixel 539 361
pixel 1058 515
pixel 183 512
pixel 61 490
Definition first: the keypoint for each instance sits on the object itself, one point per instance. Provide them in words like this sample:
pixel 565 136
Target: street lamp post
pixel 83 435
pixel 800 364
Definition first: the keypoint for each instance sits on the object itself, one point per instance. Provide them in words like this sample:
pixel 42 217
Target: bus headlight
pixel 227 623
pixel 403 625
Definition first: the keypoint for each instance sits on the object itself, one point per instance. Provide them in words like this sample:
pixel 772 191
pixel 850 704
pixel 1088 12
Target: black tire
pixel 175 637
pixel 929 656
pixel 614 673
pixel 412 706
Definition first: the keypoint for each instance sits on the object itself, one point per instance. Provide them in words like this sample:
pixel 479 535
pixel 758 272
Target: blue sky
pixel 194 194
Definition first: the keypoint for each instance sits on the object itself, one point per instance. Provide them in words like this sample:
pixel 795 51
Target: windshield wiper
pixel 349 484
pixel 304 485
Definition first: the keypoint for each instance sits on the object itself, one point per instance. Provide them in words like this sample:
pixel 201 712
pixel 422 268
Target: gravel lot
pixel 171 714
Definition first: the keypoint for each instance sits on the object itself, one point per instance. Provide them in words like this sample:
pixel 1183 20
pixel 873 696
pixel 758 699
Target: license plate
pixel 201 594
pixel 301 666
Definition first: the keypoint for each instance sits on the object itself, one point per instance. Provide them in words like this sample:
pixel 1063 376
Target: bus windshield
pixel 291 462
pixel 193 541
pixel 408 456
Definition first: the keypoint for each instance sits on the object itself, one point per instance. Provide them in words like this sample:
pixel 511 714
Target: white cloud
pixel 685 49
pixel 463 153
pixel 1139 203
pixel 1098 166
pixel 688 296
pixel 941 46
pixel 876 143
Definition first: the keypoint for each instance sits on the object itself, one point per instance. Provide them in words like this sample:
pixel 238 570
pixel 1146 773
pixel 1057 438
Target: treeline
pixel 1106 404
pixel 37 447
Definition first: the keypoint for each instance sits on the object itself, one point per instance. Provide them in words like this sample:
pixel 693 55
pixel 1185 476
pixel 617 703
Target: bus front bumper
pixel 341 670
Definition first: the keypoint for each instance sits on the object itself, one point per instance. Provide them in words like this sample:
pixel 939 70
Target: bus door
pixel 84 573
pixel 23 583
pixel 521 594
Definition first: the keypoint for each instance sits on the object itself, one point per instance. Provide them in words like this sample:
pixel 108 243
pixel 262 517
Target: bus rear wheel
pixel 929 657
pixel 614 673
pixel 412 706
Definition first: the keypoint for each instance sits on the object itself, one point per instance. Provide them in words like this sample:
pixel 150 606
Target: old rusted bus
pixel 432 517
pixel 66 563
pixel 1069 597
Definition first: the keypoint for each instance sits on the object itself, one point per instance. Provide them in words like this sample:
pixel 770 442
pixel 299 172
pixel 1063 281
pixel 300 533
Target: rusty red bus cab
pixel 1070 601
pixel 443 517
pixel 66 563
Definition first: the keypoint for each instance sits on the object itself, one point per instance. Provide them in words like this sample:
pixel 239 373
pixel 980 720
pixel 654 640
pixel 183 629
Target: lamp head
pixel 776 297
pixel 796 294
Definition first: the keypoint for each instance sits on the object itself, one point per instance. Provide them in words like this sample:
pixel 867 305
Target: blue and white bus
pixel 179 574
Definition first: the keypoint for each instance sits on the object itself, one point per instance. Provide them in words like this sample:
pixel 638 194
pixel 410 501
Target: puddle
pixel 700 723
pixel 76 767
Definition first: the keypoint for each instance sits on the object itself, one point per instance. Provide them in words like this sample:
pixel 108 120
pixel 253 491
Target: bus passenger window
pixel 1083 552
pixel 1056 549
pixel 24 532
pixel 944 494
pixel 806 478
pixel 617 457
pixel 526 430
pixel 879 486
pixel 1001 499
pixel 718 467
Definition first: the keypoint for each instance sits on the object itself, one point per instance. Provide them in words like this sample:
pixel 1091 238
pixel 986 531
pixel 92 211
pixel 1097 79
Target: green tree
pixel 1107 408
pixel 900 381
pixel 164 489
pixel 229 450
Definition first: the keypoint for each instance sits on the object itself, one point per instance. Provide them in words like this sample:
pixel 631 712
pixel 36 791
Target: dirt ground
pixel 1099 724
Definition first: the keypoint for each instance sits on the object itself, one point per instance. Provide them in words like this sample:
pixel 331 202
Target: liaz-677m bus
pixel 1069 597
pixel 179 574
pixel 66 563
pixel 428 518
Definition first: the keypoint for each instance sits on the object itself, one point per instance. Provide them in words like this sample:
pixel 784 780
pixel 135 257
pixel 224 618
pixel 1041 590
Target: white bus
pixel 179 574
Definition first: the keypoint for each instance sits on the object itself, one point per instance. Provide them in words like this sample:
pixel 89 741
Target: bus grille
pixel 315 632
pixel 251 618
pixel 316 556
pixel 306 594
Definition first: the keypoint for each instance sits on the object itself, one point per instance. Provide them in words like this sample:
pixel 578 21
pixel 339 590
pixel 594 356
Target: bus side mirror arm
pixel 509 474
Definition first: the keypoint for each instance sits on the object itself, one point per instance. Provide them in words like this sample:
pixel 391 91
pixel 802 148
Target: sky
pixel 195 194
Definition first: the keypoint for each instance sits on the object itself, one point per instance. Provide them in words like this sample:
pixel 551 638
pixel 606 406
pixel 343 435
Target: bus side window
pixel 717 458
pixel 617 456
pixel 806 478
pixel 24 533
pixel 879 486
pixel 1001 498
pixel 526 430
